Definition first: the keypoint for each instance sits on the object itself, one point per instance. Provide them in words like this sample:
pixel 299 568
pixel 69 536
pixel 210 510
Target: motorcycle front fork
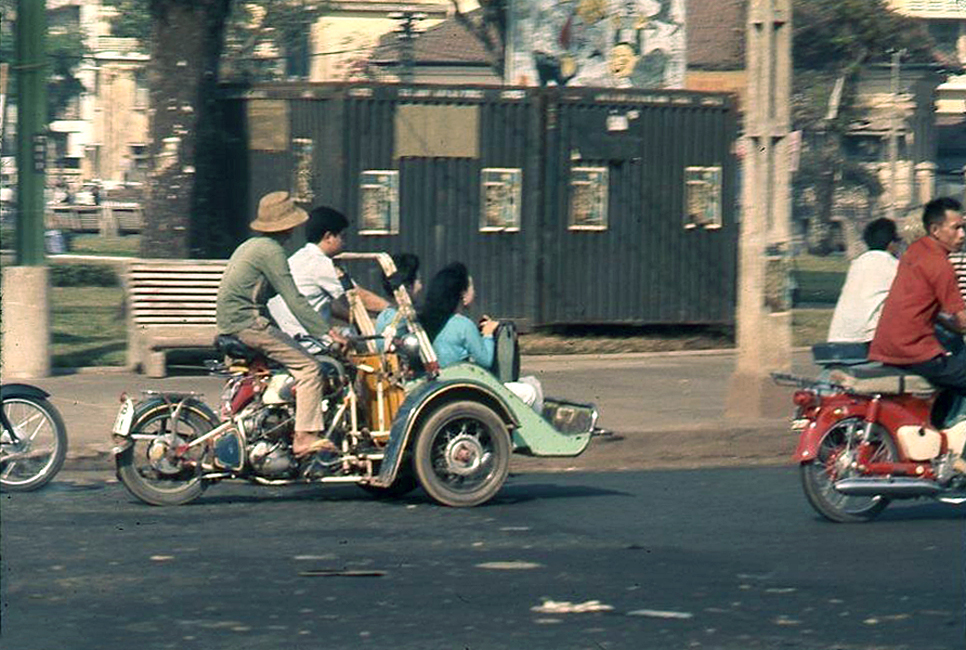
pixel 871 416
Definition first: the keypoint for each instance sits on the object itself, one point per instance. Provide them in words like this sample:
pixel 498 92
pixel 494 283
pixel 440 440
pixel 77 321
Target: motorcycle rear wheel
pixel 159 481
pixel 36 422
pixel 820 475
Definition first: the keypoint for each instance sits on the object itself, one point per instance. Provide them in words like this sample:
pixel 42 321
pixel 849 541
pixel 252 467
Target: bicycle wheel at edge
pixel 35 420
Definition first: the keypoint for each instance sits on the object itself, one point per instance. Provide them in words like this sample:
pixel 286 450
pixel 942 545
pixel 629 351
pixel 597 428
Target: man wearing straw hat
pixel 258 265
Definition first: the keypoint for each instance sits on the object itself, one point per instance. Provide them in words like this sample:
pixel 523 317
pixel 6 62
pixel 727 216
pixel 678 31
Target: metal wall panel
pixel 644 268
pixel 439 197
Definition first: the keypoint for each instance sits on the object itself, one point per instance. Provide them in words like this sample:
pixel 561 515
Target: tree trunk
pixel 820 232
pixel 183 73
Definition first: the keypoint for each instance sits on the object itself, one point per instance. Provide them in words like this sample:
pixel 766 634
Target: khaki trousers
pixel 281 347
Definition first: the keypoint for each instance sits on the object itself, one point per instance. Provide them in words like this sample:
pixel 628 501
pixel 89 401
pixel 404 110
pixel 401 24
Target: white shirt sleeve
pixel 859 306
pixel 326 276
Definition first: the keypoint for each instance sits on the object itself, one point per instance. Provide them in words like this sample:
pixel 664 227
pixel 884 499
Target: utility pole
pixel 4 71
pixel 408 30
pixel 894 135
pixel 764 309
pixel 26 323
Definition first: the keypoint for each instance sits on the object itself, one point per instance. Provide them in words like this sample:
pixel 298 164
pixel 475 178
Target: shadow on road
pixel 541 491
pixel 510 494
pixel 910 512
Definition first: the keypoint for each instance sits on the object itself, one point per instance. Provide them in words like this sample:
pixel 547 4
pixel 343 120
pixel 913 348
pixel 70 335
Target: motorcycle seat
pixel 840 354
pixel 873 377
pixel 230 346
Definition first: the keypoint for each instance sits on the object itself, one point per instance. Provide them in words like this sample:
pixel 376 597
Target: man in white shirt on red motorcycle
pixel 866 285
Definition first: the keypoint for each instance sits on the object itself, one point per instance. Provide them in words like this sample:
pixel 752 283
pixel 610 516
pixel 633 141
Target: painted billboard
pixel 609 43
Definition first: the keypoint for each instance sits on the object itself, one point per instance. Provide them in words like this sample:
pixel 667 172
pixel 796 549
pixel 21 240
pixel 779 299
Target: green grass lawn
pixel 87 327
pixel 818 280
pixel 810 326
pixel 813 264
pixel 91 244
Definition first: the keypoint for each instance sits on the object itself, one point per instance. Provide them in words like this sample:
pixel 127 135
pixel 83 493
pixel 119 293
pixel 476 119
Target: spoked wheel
pixel 33 441
pixel 151 469
pixel 833 462
pixel 462 454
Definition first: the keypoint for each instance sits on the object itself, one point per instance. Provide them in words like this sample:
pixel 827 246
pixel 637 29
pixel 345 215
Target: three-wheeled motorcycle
pixel 397 419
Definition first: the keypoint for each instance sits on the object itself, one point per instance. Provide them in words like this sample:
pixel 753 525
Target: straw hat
pixel 276 212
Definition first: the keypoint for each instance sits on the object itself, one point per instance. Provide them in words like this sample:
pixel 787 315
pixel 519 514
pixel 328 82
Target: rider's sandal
pixel 322 444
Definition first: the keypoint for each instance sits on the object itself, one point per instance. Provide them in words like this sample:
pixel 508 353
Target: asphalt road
pixel 713 558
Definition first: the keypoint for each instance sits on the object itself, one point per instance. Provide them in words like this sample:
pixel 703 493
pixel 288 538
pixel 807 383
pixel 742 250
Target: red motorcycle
pixel 871 433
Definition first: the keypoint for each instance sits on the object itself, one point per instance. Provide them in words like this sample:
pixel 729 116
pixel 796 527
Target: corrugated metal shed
pixel 568 206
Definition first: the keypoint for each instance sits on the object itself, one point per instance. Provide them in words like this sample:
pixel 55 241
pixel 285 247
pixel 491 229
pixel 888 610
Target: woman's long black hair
pixel 443 297
pixel 407 270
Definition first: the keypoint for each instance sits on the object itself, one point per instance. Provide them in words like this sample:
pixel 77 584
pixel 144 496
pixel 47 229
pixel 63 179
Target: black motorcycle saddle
pixel 845 354
pixel 230 346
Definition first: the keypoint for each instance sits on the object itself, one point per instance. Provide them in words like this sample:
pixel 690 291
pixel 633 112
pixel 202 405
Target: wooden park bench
pixel 111 219
pixel 170 304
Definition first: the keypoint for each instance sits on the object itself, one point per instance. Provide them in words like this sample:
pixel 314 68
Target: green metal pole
pixel 31 130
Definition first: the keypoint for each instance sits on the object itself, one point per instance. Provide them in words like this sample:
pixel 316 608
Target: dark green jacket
pixel 255 268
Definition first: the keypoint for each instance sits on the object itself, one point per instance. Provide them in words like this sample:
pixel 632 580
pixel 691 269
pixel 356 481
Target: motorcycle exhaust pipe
pixel 897 488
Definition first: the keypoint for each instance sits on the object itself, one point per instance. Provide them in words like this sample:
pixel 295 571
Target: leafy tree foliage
pixel 833 41
pixel 489 26
pixel 269 39
pixel 832 35
pixel 133 19
pixel 65 52
pixel 264 40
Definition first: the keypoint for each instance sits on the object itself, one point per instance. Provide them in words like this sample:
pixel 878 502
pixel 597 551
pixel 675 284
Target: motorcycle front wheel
pixel 831 465
pixel 149 470
pixel 35 445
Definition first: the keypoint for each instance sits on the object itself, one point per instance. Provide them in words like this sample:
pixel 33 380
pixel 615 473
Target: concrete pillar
pixel 926 181
pixel 26 323
pixel 763 316
pixel 961 43
pixel 107 222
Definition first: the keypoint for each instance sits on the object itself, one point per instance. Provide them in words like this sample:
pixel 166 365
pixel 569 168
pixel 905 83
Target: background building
pixel 343 40
pixel 103 133
pixel 946 22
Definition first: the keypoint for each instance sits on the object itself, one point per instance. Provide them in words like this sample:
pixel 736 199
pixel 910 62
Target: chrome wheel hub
pixel 464 455
pixel 158 457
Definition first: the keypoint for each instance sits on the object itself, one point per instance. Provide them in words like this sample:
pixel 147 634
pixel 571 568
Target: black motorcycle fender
pixel 424 400
pixel 22 390
pixel 151 404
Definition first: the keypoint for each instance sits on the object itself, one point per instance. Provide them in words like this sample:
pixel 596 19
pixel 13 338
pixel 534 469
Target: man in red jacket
pixel 926 291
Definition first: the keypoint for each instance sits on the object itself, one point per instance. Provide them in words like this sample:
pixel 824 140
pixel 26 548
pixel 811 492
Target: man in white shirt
pixel 866 285
pixel 315 274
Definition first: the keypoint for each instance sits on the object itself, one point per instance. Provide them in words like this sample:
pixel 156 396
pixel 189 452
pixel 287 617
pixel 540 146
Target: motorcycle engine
pixel 274 423
pixel 271 459
pixel 270 429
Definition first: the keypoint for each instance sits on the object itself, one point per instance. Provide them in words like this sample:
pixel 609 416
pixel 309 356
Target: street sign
pixel 40 152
